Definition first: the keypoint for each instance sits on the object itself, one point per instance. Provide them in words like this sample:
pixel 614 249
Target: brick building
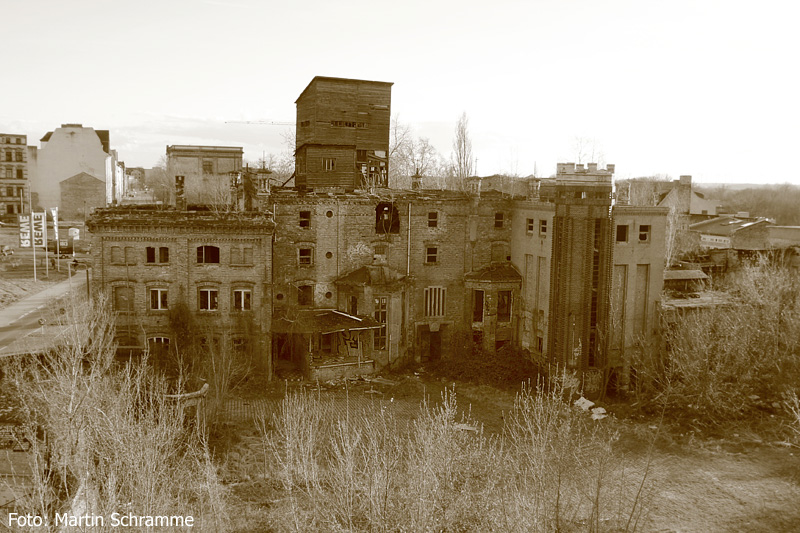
pixel 350 282
pixel 149 261
pixel 13 176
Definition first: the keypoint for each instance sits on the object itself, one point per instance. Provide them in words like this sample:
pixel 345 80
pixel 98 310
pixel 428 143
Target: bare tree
pixel 462 149
pixel 399 137
pixel 587 150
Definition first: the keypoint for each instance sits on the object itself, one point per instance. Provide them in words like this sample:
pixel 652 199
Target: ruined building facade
pixel 349 281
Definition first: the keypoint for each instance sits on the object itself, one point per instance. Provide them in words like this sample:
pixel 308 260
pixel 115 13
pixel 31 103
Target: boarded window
pixel 123 299
pixel 435 301
pixel 116 255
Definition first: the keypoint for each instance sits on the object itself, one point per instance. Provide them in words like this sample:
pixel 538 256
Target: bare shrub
pixel 114 442
pixel 726 361
pixel 553 469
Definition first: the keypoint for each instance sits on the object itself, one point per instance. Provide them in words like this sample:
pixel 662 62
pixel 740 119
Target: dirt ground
pixel 743 481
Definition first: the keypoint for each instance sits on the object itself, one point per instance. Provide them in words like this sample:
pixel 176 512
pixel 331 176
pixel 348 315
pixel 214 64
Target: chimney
pixel 610 168
pixel 180 196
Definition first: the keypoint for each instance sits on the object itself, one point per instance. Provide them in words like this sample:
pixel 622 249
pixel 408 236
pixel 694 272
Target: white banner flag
pixel 54 212
pixel 24 231
pixel 39 229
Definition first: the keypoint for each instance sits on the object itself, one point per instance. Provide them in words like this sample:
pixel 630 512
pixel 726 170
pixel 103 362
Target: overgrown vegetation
pixel 114 442
pixel 727 362
pixel 505 368
pixel 553 469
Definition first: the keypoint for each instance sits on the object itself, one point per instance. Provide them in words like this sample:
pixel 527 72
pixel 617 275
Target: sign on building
pixel 39 229
pixel 24 231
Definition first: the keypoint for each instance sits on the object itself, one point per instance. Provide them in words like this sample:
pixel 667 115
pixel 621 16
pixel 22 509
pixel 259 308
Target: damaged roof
pixel 322 321
pixel 373 275
pixel 496 272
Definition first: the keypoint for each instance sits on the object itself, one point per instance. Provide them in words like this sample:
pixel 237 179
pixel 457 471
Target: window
pixel 19 156
pixel 352 305
pixel 431 255
pixel 208 167
pixel 305 256
pixel 20 174
pixel 503 306
pixel 435 301
pixel 539 343
pixel 387 218
pixel 379 249
pixel 381 315
pixel 241 255
pixel 305 295
pixel 9 191
pixel 240 345
pixel 208 300
pixel 326 342
pixel 9 155
pixel 622 233
pixel 529 226
pixel 207 254
pixel 157 255
pixel 644 233
pixel 241 299
pixel 543 227
pixel 158 299
pixel 305 219
pixel 123 299
pixel 499 220
pixel 433 219
pixel 329 164
pixel 477 305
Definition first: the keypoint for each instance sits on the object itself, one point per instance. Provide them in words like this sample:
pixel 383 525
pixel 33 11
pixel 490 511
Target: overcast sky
pixel 705 88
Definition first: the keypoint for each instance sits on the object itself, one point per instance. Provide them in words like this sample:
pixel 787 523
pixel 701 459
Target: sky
pixel 702 88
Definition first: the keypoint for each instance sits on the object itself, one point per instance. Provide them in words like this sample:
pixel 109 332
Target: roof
pixel 371 275
pixel 684 274
pixel 497 272
pixel 322 321
pixel 724 225
pixel 329 78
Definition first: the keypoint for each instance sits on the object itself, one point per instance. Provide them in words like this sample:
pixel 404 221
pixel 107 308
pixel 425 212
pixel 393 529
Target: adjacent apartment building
pixel 13 176
pixel 76 171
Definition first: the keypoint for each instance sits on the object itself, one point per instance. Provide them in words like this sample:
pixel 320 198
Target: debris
pixel 465 427
pixel 380 380
pixel 599 413
pixel 583 403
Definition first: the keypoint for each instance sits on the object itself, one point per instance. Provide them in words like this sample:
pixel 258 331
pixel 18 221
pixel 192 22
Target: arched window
pixel 207 254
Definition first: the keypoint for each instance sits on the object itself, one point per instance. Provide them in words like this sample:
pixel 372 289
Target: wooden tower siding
pixel 340 118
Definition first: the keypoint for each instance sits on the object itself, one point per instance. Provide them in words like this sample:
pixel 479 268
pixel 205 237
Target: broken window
pixel 305 295
pixel 503 306
pixel 158 299
pixel 241 299
pixel 644 233
pixel 305 256
pixel 387 218
pixel 477 305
